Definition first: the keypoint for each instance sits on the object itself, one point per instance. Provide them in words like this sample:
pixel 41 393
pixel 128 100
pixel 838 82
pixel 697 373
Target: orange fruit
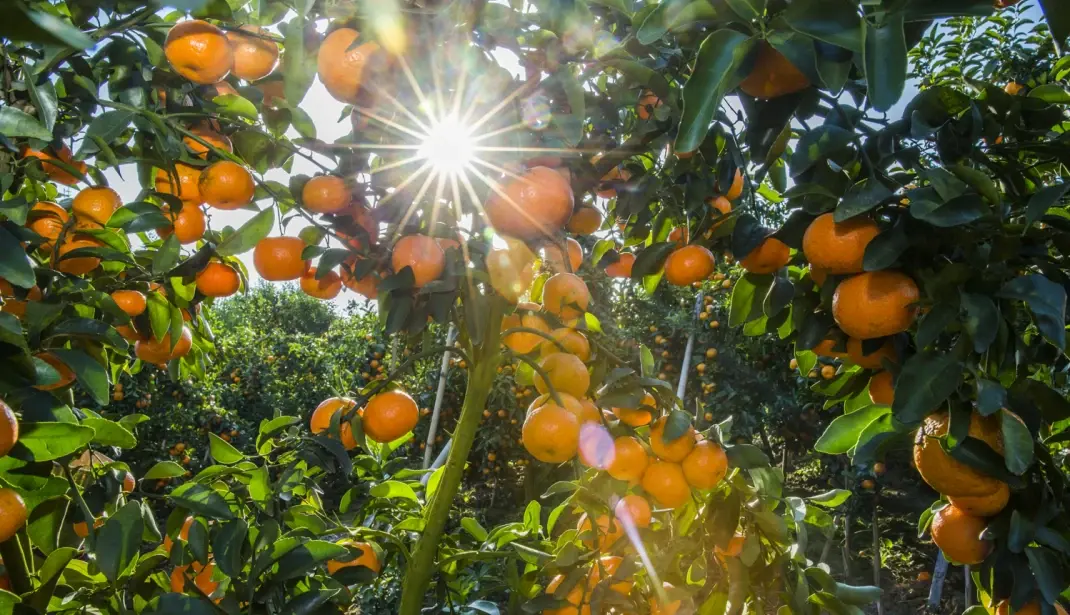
pixel 96 204
pixel 658 608
pixel 81 528
pixel 130 301
pixel 983 505
pixel 367 558
pixel 773 75
pixel 648 102
pixel 566 296
pixel 566 374
pixel 959 536
pixel 664 480
pixel 12 513
pixel 688 265
pixel 584 409
pixel 733 548
pixel 218 280
pixel 278 259
pixel 768 257
pixel 575 598
pixel 188 187
pixel 9 428
pixel 882 388
pixel 368 286
pixel 511 269
pixel 838 247
pixel 321 419
pixel 208 136
pixel 680 236
pixel 623 267
pixel 47 219
pixel 188 224
pixel 556 262
pixel 722 205
pixel 342 61
pixel 326 194
pixel 671 450
pixel 827 348
pixel 875 304
pixel 129 482
pixel 828 372
pixel 55 172
pixel 608 565
pixel 535 205
pixel 202 578
pixel 633 508
pixel 946 474
pixel 567 340
pixel 639 416
pixel 78 265
pixel 584 221
pixel 254 56
pixel 390 415
pixel 608 531
pixel 1013 87
pixel 735 190
pixel 272 91
pixel 705 466
pixel 66 375
pixel 160 351
pixel 818 275
pixel 873 360
pixel 522 342
pixel 551 433
pixel 1032 608
pixel 630 459
pixel 420 253
pixel 199 51
pixel 325 288
pixel 607 189
pixel 226 185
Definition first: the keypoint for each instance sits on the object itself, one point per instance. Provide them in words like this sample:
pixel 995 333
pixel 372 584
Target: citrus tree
pixel 457 200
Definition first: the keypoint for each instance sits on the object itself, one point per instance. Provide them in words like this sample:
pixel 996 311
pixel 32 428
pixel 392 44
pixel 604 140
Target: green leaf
pixel 181 604
pixel 298 561
pixel 167 256
pixel 836 22
pixel 747 300
pixel 48 441
pixel 831 499
pixel 673 14
pixel 1043 200
pixel 571 124
pixel 110 433
pixel 43 96
pixel 1017 444
pixel 818 144
pixel 958 211
pixel 650 259
pixel 925 382
pixel 118 541
pixel 715 74
pixel 394 489
pixel 991 396
pixel 842 433
pixel 296 73
pixel 11 331
pixel 1047 302
pixel 861 198
pixel 233 104
pixel 16 123
pixel 982 320
pixel 15 264
pixel 1058 15
pixel 227 545
pixel 474 528
pixel 885 249
pixel 250 233
pixel 748 10
pixel 885 59
pixel 91 375
pixel 159 315
pixel 201 500
pixel 109 125
pixel 222 451
pixel 23 23
pixel 1046 566
pixel 165 469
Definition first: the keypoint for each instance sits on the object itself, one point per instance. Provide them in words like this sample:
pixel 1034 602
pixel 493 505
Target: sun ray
pixel 399 163
pixel 439 191
pixel 458 94
pixel 499 169
pixel 500 131
pixel 390 123
pixel 402 108
pixel 496 187
pixel 375 146
pixel 420 96
pixel 436 81
pixel 494 111
pixel 408 180
pixel 415 205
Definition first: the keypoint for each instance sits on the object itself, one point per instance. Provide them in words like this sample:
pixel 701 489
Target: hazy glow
pixel 448 146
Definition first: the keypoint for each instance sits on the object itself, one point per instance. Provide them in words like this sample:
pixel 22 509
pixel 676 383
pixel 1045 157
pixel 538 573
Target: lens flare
pixel 448 147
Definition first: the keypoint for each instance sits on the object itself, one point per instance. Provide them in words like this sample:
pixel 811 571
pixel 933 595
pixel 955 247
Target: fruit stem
pixel 482 370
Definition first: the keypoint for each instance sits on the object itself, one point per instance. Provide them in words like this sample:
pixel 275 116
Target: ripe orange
pixel 671 450
pixel 254 56
pixel 768 257
pixel 688 265
pixel 81 528
pixel 96 204
pixel 566 372
pixel 272 91
pixel 551 433
pixel 390 415
pixel 705 466
pixel 77 265
pixel 680 236
pixel 130 301
pixel 773 75
pixel 367 558
pixel 556 262
pixel 733 548
pixel 827 348
pixel 607 189
pixel 129 482
pixel 608 531
pixel 637 417
pixel 584 221
pixel 875 304
pixel 278 259
pixel 9 428
pixel 218 280
pixel 160 351
pixel 633 508
pixel 567 340
pixel 202 578
pixel 208 136
pixel 523 342
pixel 623 267
pixel 818 275
pixel 873 360
pixel 326 194
pixel 882 388
pixel 321 419
pixel 630 459
pixel 342 61
pixel 1032 608
pixel 66 375
pixel 226 185
pixel 187 188
pixel 1013 88
pixel 723 206
pixel 188 224
pixel 664 480
pixel 608 565
pixel 325 288
pixel 566 296
pixel 511 269
pixel 575 598
pixel 983 505
pixel 12 513
pixel 658 608
pixel 368 286
pixel 735 190
pixel 648 102
pixel 838 247
pixel 199 51
pixel 536 205
pixel 946 474
pixel 55 172
pixel 47 219
pixel 959 536
pixel 420 253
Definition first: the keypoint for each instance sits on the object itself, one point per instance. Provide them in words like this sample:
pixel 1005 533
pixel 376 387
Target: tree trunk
pixel 877 558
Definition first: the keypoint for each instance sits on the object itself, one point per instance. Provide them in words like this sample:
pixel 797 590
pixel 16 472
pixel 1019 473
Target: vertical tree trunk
pixel 877 557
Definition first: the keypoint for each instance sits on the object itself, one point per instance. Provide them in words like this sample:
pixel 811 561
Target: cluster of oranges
pixel 13 513
pixel 386 417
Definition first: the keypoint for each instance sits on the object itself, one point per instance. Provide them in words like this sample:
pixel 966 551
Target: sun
pixel 448 146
